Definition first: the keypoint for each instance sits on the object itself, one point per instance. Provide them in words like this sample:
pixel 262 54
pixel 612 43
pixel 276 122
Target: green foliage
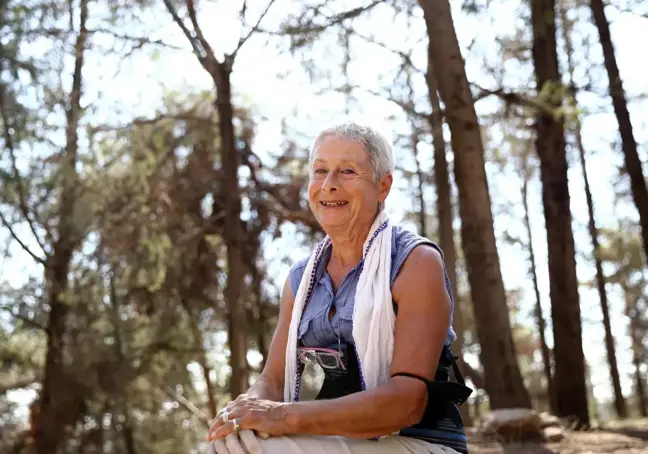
pixel 145 302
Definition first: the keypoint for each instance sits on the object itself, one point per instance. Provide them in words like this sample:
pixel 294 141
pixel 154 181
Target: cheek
pixel 313 188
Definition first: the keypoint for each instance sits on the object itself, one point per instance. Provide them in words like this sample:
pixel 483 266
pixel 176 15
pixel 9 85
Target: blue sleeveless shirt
pixel 315 328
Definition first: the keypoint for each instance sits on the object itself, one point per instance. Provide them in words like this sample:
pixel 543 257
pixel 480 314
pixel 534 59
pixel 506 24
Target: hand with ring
pixel 265 417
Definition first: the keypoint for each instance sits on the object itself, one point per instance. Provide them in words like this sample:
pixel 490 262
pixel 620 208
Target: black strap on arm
pixel 443 399
pixel 448 391
pixel 441 388
pixel 418 377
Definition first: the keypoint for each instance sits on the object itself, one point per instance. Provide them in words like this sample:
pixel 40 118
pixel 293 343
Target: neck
pixel 347 247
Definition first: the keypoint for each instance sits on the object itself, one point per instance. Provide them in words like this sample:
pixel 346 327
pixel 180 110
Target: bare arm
pixel 421 327
pixel 271 382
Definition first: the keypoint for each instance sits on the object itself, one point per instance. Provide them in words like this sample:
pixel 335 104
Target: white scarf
pixel 373 313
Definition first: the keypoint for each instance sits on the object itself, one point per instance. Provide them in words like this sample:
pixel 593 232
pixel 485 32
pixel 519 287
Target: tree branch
pixel 192 40
pixel 8 142
pixel 406 57
pixel 287 211
pixel 406 106
pixel 27 320
pixel 472 373
pixel 19 384
pixel 19 241
pixel 331 20
pixel 254 29
pixel 209 61
pixel 630 10
pixel 139 40
pixel 510 97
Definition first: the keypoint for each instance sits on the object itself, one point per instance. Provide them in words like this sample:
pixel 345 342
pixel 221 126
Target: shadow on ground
pixel 641 434
pixel 627 437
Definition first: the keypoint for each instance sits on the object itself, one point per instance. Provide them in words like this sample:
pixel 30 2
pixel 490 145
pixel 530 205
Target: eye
pixel 320 170
pixel 348 171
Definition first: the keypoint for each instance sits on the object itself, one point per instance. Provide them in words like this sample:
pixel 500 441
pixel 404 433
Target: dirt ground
pixel 619 438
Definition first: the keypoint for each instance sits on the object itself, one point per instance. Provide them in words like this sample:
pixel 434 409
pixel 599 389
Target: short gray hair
pixel 376 144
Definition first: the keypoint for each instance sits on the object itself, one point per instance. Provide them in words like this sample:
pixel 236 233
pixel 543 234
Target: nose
pixel 330 183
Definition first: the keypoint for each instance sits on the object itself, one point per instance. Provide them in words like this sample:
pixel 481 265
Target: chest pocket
pixel 346 310
pixel 314 309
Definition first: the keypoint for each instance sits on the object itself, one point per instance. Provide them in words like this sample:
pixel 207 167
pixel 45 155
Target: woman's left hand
pixel 260 415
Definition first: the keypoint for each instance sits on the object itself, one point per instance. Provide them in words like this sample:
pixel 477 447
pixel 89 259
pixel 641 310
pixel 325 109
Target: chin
pixel 332 222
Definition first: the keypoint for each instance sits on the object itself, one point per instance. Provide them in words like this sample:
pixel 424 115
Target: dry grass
pixel 626 437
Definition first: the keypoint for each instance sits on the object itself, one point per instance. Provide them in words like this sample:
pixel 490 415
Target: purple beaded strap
pixel 311 286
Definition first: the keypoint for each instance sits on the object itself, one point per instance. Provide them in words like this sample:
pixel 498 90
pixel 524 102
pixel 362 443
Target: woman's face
pixel 341 190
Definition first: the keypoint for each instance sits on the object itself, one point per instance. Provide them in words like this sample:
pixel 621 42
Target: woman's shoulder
pixel 296 272
pixel 404 241
pixel 403 238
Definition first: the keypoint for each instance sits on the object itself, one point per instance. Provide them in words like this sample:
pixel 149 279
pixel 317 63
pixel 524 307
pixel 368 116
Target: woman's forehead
pixel 336 149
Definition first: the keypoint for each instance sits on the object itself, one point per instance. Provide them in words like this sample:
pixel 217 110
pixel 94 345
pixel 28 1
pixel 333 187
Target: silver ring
pixel 237 426
pixel 225 416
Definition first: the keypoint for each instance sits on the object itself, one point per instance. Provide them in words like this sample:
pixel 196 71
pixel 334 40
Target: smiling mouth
pixel 334 204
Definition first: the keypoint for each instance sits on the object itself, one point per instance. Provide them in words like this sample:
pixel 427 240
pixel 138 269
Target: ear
pixel 385 185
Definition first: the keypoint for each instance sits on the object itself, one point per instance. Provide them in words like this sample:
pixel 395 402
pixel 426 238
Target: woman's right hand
pixel 228 408
pixel 259 415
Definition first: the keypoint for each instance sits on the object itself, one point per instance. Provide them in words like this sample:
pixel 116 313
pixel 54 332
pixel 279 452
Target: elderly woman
pixel 372 306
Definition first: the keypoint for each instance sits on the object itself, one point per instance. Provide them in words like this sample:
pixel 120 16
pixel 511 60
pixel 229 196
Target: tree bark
pixel 199 348
pixel 121 353
pixel 220 72
pixel 237 315
pixel 501 371
pixel 445 216
pixel 540 321
pixel 619 400
pixel 628 142
pixel 57 397
pixel 640 384
pixel 420 194
pixel 261 317
pixel 569 376
pixel 633 314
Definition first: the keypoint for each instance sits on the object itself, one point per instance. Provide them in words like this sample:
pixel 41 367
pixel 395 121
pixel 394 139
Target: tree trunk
pixel 596 412
pixel 501 371
pixel 420 195
pixel 619 401
pixel 444 214
pixel 569 377
pixel 640 385
pixel 634 315
pixel 540 321
pixel 202 360
pixel 628 142
pixel 220 72
pixel 261 317
pixel 57 396
pixel 237 315
pixel 199 348
pixel 121 354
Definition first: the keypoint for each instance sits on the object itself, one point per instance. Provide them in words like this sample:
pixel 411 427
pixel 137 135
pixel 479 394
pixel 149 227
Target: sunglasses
pixel 327 358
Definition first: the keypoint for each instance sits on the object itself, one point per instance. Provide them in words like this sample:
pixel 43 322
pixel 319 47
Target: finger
pixel 226 408
pixel 215 425
pixel 220 447
pixel 219 416
pixel 234 413
pixel 210 449
pixel 234 444
pixel 226 429
pixel 250 442
pixel 263 435
pixel 241 397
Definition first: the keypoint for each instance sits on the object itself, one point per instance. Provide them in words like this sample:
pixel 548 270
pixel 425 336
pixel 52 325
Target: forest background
pixel 153 168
